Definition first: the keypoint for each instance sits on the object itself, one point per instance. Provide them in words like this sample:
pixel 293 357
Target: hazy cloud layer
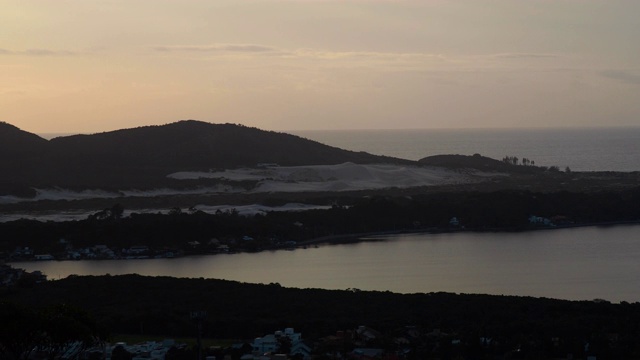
pixel 625 76
pixel 219 48
pixel 319 64
pixel 525 56
pixel 38 52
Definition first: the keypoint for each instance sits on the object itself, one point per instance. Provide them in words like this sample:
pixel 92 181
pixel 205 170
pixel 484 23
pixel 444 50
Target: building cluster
pixel 10 277
pixel 284 344
pixel 148 350
pixel 103 252
pixel 280 345
pixel 94 252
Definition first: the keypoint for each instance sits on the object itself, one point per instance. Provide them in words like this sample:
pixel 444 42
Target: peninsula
pixel 197 188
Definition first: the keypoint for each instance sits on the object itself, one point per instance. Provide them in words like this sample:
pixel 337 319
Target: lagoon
pixel 574 263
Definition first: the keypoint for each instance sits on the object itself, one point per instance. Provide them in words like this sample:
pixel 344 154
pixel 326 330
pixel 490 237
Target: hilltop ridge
pixel 200 145
pixel 14 141
pixel 142 157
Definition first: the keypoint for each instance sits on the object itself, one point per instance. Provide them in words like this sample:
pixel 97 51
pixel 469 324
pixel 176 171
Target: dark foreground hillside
pixel 519 327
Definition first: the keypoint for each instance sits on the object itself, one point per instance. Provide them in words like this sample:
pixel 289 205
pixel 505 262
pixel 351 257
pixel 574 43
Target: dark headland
pixel 142 157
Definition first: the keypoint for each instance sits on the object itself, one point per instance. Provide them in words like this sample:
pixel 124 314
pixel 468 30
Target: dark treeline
pixel 44 332
pixel 476 211
pixel 537 328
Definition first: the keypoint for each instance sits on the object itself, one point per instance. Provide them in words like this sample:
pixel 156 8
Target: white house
pixel 265 344
pixel 537 220
pixel 270 343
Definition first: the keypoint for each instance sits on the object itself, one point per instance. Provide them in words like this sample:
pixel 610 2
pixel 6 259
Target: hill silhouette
pixel 14 141
pixel 20 158
pixel 142 157
pixel 194 145
pixel 476 162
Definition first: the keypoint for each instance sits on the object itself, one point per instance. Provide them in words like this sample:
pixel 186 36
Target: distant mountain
pixel 141 157
pixel 20 156
pixel 199 145
pixel 16 141
pixel 477 162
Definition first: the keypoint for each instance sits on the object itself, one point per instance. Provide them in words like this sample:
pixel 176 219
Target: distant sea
pixel 584 149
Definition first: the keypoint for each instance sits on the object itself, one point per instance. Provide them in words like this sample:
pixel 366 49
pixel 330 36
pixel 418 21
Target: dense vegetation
pixel 44 331
pixel 479 211
pixel 521 327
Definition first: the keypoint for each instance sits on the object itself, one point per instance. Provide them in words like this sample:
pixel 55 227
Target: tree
pixel 49 331
pixel 116 211
pixel 120 353
pixel 19 333
pixel 284 345
pixel 113 213
pixel 512 160
pixel 64 325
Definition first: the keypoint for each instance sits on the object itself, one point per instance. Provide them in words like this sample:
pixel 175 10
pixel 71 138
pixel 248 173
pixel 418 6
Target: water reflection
pixel 580 263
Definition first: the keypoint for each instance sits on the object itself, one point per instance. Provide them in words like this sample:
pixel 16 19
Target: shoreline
pixel 336 239
pixel 355 238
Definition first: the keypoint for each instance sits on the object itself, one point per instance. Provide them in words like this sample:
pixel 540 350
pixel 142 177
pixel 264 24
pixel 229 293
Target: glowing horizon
pixel 285 65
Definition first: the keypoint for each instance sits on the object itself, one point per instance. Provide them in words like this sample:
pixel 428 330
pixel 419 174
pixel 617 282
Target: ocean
pixel 584 149
pixel 581 149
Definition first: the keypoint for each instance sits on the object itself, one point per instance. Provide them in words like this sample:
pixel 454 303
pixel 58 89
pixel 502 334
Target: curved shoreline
pixel 353 238
pixel 360 237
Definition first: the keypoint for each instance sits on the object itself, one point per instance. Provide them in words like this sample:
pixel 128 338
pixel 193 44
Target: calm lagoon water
pixel 577 264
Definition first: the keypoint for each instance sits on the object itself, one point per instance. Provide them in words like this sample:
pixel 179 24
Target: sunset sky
pixel 92 66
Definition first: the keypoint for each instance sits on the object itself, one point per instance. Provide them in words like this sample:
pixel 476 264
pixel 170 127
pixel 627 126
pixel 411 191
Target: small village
pixel 361 343
pixel 10 276
pixel 104 252
pixel 227 245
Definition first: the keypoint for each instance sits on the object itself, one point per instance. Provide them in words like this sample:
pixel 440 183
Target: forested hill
pixel 200 145
pixel 476 161
pixel 16 142
pixel 133 156
pixel 468 326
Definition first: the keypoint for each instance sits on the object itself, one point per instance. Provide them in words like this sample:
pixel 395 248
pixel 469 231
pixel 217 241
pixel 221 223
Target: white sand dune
pixel 61 194
pixel 244 210
pixel 66 194
pixel 335 178
pixel 250 210
pixel 342 177
pixel 313 178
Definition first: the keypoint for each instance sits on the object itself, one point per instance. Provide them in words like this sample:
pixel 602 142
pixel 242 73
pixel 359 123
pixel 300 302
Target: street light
pixel 199 316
